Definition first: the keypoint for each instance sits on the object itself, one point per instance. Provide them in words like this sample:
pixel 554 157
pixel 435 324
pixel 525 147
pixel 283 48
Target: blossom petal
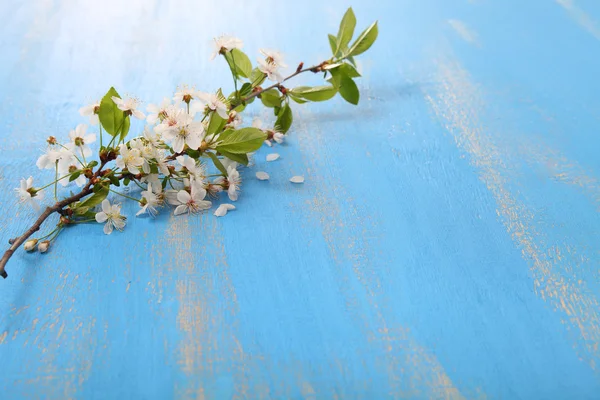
pixel 108 228
pixel 182 209
pixel 183 196
pixel 272 157
pixel 220 211
pixel 106 207
pixel 101 217
pixel 297 179
pixel 263 176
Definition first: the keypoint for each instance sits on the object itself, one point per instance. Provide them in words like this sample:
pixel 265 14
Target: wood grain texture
pixel 443 246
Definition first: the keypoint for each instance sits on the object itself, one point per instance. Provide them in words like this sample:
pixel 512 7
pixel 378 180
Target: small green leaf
pixel 240 158
pixel 364 41
pixel 296 98
pixel 242 63
pixel 125 129
pixel 216 124
pixel 217 162
pixel 164 182
pixel 195 154
pixel 346 29
pixel 109 114
pixel 317 93
pixel 348 90
pixel 126 181
pixel 245 90
pixel 332 43
pixel 75 175
pixel 81 210
pixel 271 98
pixel 100 193
pixel 284 119
pixel 257 77
pixel 345 69
pixel 242 141
pixel 114 180
pixel 92 164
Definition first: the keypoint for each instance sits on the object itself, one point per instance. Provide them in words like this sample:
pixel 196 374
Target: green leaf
pixel 164 182
pixel 364 41
pixel 92 164
pixel 223 135
pixel 317 93
pixel 109 114
pixel 75 175
pixel 332 43
pixel 242 63
pixel 284 119
pixel 271 98
pixel 296 98
pixel 240 158
pixel 217 162
pixel 125 129
pixel 114 180
pixel 346 29
pixel 216 123
pixel 257 77
pixel 100 193
pixel 345 69
pixel 348 90
pixel 242 141
pixel 245 90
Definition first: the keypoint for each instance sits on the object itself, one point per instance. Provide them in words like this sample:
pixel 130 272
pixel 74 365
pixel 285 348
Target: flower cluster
pixel 192 145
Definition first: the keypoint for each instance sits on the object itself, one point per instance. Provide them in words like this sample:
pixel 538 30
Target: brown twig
pixel 56 208
pixel 316 68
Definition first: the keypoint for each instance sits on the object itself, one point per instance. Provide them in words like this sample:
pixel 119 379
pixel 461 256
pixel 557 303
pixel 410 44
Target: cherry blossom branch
pixel 315 69
pixel 56 208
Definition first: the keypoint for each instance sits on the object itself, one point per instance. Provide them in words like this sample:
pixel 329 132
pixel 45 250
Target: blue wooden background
pixel 444 245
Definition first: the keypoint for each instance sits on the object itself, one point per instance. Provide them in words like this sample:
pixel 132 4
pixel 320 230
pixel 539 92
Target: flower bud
pixel 51 140
pixel 30 244
pixel 43 247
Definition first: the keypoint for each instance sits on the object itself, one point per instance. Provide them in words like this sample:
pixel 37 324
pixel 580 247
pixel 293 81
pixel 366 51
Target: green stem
pixel 74 155
pixel 124 195
pixel 56 181
pixel 100 126
pixel 53 182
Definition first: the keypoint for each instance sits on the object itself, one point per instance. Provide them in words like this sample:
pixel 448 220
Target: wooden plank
pixel 444 244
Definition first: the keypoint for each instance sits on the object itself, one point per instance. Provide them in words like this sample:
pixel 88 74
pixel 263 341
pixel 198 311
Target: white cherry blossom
pixel 192 202
pixel 214 103
pixel 130 105
pixel 111 217
pixel 150 201
pixel 129 159
pixel 27 194
pixel 80 141
pixel 157 112
pixel 225 43
pixel 91 111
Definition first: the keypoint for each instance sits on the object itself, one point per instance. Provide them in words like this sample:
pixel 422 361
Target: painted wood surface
pixel 444 245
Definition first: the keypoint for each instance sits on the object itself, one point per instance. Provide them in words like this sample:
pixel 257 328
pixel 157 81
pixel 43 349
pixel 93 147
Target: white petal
pixel 229 207
pixel 178 144
pixel 183 196
pixel 108 228
pixel 220 211
pixel 119 223
pixel 106 207
pixel 138 114
pixel 297 179
pixel 181 210
pixel 272 157
pixel 101 217
pixel 263 176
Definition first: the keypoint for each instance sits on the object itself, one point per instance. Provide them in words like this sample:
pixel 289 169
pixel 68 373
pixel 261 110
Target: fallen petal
pixel 221 211
pixel 272 157
pixel 297 179
pixel 229 207
pixel 263 176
